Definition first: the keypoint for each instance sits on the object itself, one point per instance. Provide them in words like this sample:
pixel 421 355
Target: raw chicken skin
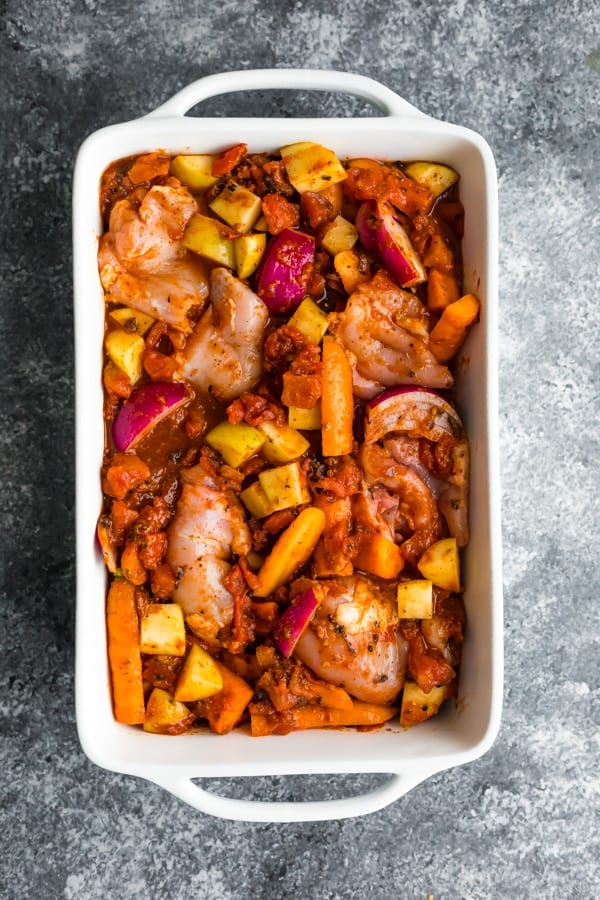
pixel 224 355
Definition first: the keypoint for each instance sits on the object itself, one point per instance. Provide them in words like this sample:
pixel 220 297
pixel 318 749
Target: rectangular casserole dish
pixel 460 733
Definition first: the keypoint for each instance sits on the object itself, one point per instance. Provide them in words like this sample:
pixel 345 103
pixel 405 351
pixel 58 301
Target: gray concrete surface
pixel 521 822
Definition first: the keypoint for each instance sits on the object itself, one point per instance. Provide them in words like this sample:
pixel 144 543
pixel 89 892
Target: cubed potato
pixel 311 167
pixel 125 349
pixel 434 176
pixel 165 715
pixel 305 419
pixel 209 238
pixel 415 599
pixel 340 235
pixel 199 678
pixel 237 206
pixel 194 171
pixel 131 320
pixel 261 224
pixel 249 249
pixel 162 630
pixel 256 501
pixel 348 266
pixel 440 563
pixel 236 443
pixel 284 486
pixel 310 320
pixel 283 444
pixel 417 706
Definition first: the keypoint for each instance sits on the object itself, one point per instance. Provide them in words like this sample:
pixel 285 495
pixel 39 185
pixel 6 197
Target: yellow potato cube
pixel 310 320
pixel 162 630
pixel 211 239
pixel 165 715
pixel 236 443
pixel 125 350
pixel 261 224
pixel 305 419
pixel 415 599
pixel 284 486
pixel 417 706
pixel 440 563
pixel 256 501
pixel 283 443
pixel 434 176
pixel 194 171
pixel 340 235
pixel 199 678
pixel 311 167
pixel 237 206
pixel 131 320
pixel 249 249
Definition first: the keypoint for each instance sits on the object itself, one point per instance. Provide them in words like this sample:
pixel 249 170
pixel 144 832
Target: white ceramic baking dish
pixel 460 733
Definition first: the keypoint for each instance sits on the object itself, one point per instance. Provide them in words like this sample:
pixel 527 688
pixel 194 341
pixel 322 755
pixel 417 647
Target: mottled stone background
pixel 522 821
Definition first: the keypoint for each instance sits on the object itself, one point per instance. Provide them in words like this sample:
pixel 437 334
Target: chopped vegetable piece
pixel 145 408
pixel 224 162
pixel 348 267
pixel 283 444
pixel 380 556
pixel 380 229
pixel 310 321
pixel 236 443
pixel 237 206
pixel 440 563
pixel 162 630
pixel 337 401
pixel 292 549
pixel 256 501
pixel 451 330
pixel 211 239
pixel 225 709
pixel 293 622
pixel 124 653
pixel 418 706
pixel 285 271
pixel 415 599
pixel 200 676
pixel 125 349
pixel 284 486
pixel 305 419
pixel 132 320
pixel 340 235
pixel 435 177
pixel 194 171
pixel 311 167
pixel 165 715
pixel 249 249
pixel 442 290
pixel 304 717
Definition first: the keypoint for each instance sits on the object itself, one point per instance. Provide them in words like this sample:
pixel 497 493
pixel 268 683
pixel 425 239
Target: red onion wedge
pixel 145 408
pixel 285 270
pixel 294 621
pixel 380 230
pixel 416 411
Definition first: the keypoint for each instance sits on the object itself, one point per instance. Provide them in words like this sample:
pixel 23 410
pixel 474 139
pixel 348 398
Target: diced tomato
pixel 223 163
pixel 279 213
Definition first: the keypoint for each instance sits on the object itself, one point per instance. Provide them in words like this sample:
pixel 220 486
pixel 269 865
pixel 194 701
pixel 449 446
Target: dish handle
pixel 329 80
pixel 288 811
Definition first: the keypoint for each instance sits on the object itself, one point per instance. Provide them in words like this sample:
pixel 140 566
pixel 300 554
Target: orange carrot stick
pixel 124 653
pixel 292 549
pixel 337 402
pixel 451 330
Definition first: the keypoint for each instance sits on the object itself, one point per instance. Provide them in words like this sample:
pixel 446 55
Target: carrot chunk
pixel 337 402
pixel 380 556
pixel 224 162
pixel 442 290
pixel 124 653
pixel 451 330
